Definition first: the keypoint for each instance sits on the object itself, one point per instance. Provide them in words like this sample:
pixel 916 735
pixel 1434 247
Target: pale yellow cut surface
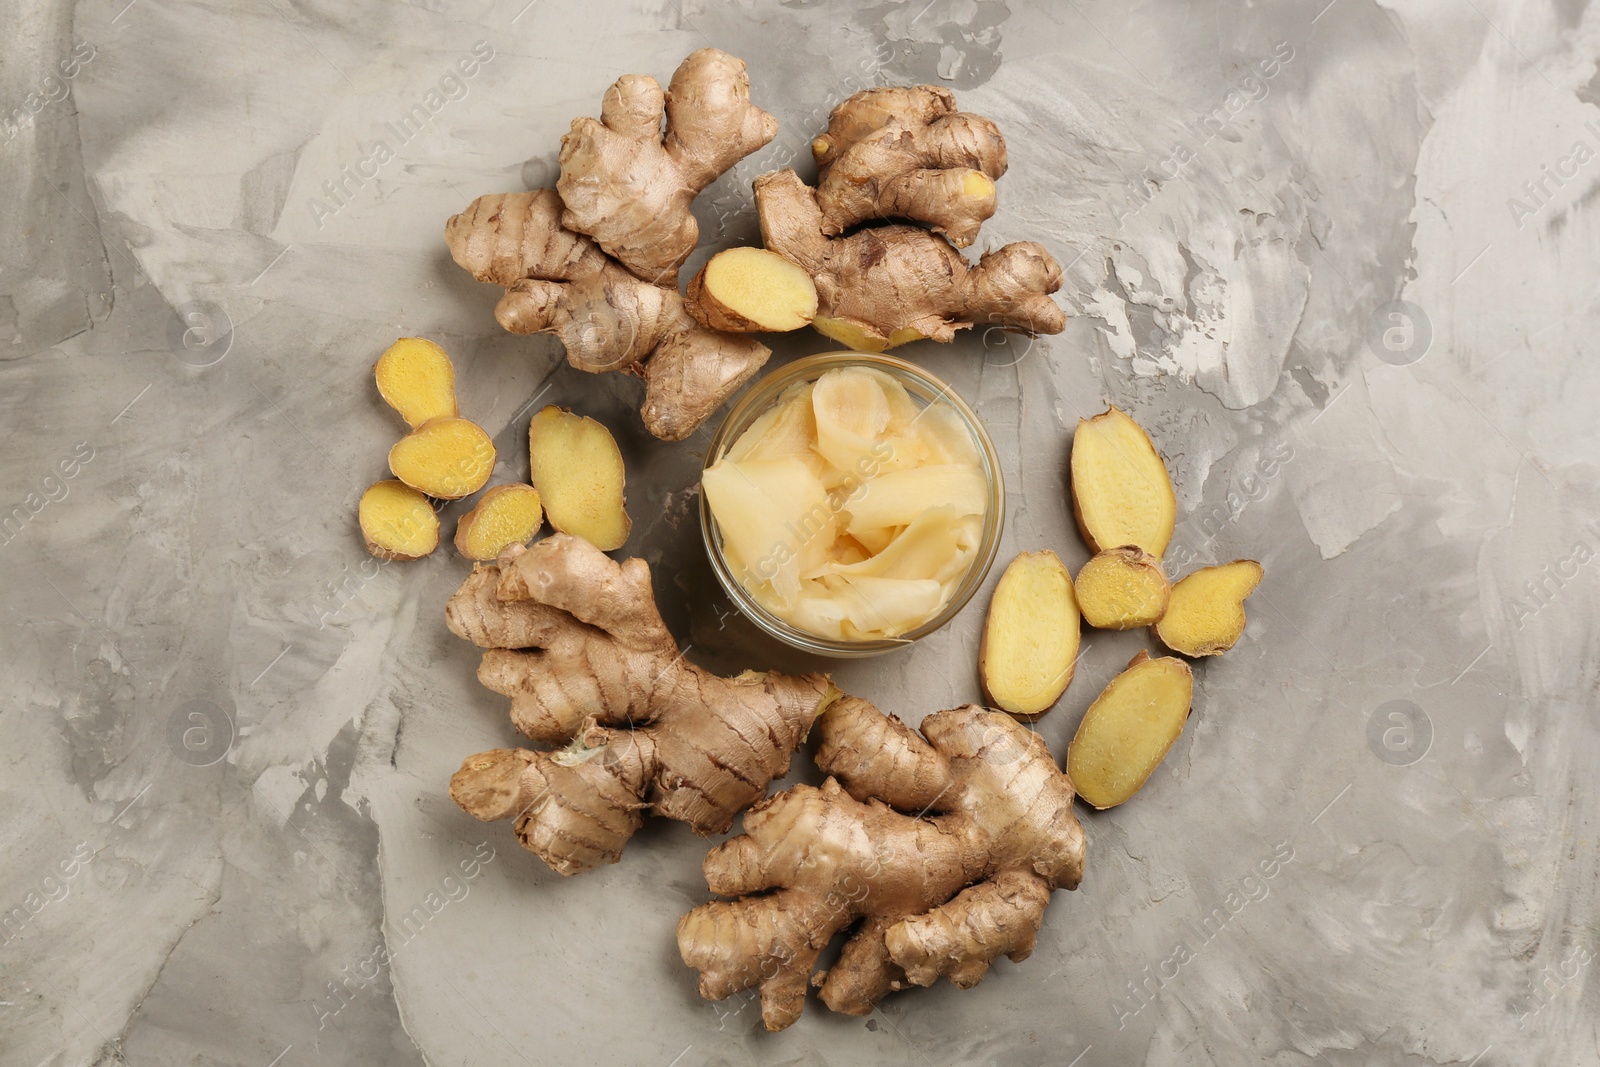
pixel 506 515
pixel 1030 639
pixel 1129 728
pixel 1121 494
pixel 1122 589
pixel 576 466
pixel 397 522
pixel 1206 613
pixel 417 379
pixel 746 289
pixel 856 336
pixel 448 458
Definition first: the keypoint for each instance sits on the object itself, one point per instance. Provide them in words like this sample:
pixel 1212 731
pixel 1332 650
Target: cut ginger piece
pixel 788 428
pixel 937 545
pixel 1129 728
pixel 576 466
pixel 774 518
pixel 506 515
pixel 397 522
pixel 852 412
pixel 1030 639
pixel 1206 613
pixel 1122 589
pixel 897 498
pixel 742 290
pixel 416 378
pixel 448 458
pixel 857 337
pixel 1121 494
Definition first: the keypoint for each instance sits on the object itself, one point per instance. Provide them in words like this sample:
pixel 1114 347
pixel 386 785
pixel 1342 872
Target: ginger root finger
pixel 812 861
pixel 417 379
pixel 870 110
pixel 576 468
pixel 397 522
pixel 1206 613
pixel 748 289
pixel 1122 589
pixel 575 639
pixel 1129 728
pixel 1030 638
pixel 1121 493
pixel 506 515
pixel 446 458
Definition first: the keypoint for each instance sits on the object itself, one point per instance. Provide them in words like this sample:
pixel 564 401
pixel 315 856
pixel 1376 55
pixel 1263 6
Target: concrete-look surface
pixel 1339 259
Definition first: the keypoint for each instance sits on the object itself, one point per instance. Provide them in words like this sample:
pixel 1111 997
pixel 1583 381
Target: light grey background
pixel 198 592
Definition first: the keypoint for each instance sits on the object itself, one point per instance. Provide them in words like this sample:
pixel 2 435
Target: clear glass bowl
pixel 924 388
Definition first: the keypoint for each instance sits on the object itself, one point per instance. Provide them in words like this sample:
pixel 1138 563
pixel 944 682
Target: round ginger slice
pixel 576 466
pixel 446 458
pixel 1030 639
pixel 506 515
pixel 1122 589
pixel 397 522
pixel 1206 614
pixel 417 379
pixel 743 290
pixel 1129 728
pixel 1121 494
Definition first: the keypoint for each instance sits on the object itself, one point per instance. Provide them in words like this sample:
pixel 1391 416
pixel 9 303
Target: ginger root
pixel 629 187
pixel 576 466
pixel 559 282
pixel 447 458
pixel 1206 614
pixel 1030 638
pixel 887 285
pixel 907 153
pixel 575 640
pixel 1129 728
pixel 946 846
pixel 1122 589
pixel 417 379
pixel 506 515
pixel 747 289
pixel 397 522
pixel 1121 494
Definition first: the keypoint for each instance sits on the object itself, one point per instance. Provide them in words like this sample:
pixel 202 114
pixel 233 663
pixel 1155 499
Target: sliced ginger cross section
pixel 448 458
pixel 506 515
pixel 1122 589
pixel 576 466
pixel 1206 614
pixel 417 379
pixel 1030 640
pixel 746 289
pixel 1121 494
pixel 1129 728
pixel 397 522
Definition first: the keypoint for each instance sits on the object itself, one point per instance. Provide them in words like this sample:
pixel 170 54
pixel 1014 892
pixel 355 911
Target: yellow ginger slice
pixel 448 458
pixel 1129 728
pixel 1122 589
pixel 1206 613
pixel 742 290
pixel 1030 639
pixel 397 522
pixel 505 515
pixel 858 338
pixel 416 378
pixel 897 498
pixel 774 518
pixel 852 412
pixel 788 428
pixel 576 466
pixel 1121 494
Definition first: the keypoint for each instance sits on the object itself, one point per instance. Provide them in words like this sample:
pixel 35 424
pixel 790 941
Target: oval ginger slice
pixel 1030 639
pixel 1129 728
pixel 743 290
pixel 397 522
pixel 576 466
pixel 506 515
pixel 1122 589
pixel 417 379
pixel 446 458
pixel 1121 494
pixel 1206 614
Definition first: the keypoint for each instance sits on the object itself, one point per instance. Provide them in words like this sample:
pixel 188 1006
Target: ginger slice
pixel 1122 589
pixel 1030 639
pixel 1128 729
pixel 447 458
pixel 747 289
pixel 417 379
pixel 505 515
pixel 576 466
pixel 1206 613
pixel 1121 494
pixel 397 521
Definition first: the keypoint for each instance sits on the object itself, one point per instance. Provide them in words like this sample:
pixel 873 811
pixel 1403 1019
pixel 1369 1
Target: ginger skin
pixel 575 640
pixel 560 282
pixel 944 893
pixel 890 284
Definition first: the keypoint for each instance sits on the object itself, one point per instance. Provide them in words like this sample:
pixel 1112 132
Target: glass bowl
pixel 923 388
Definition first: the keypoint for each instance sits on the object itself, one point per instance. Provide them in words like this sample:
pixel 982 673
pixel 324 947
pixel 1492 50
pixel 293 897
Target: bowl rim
pixel 756 401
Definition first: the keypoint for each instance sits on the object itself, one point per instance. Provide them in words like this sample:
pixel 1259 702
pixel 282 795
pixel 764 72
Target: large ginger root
pixel 560 282
pixel 575 640
pixel 887 285
pixel 905 152
pixel 1030 638
pixel 947 848
pixel 629 187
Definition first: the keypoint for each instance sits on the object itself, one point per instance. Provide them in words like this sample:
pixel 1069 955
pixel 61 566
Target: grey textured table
pixel 227 734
